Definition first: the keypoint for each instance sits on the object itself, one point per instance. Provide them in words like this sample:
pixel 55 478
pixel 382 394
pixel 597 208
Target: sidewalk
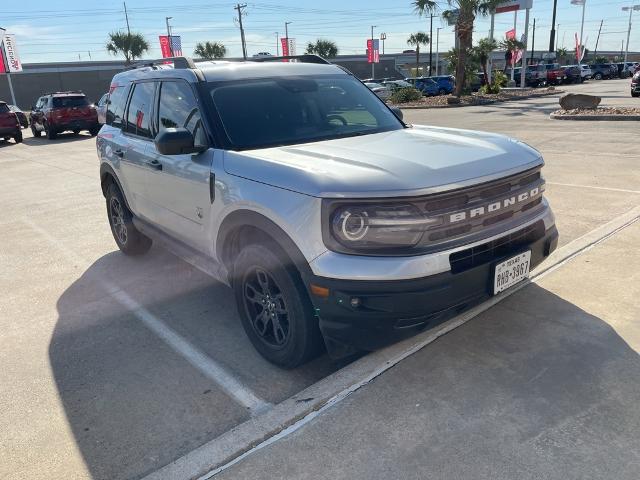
pixel 544 385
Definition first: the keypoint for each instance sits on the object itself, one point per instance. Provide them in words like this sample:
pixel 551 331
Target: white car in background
pixel 585 72
pixel 380 90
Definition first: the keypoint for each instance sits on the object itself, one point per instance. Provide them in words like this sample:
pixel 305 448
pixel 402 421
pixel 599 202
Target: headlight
pixel 375 227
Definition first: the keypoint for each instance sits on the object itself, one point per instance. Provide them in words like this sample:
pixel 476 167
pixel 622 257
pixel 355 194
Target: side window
pixel 139 111
pixel 178 108
pixel 115 108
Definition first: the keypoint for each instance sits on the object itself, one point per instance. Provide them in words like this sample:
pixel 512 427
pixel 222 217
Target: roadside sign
pixel 514 5
pixel 373 51
pixel 10 52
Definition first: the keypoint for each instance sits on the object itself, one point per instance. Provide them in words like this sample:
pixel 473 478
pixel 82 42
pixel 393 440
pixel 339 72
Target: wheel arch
pixel 244 227
pixel 108 175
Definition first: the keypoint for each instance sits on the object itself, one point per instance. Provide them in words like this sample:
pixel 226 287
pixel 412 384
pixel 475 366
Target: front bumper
pixel 388 311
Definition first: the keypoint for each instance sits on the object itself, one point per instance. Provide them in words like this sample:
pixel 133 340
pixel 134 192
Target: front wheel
pixel 597 76
pixel 18 137
pixel 128 238
pixel 635 94
pixel 274 307
pixel 51 133
pixel 35 132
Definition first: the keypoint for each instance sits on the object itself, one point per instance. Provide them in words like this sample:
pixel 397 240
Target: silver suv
pixel 335 223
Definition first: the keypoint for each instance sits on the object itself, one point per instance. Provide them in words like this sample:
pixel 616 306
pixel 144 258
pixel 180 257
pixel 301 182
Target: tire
pixel 635 94
pixel 94 130
pixel 597 76
pixel 267 291
pixel 51 133
pixel 36 133
pixel 129 239
pixel 442 91
pixel 18 137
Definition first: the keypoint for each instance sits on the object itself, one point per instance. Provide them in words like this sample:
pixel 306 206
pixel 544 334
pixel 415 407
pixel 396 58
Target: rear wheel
pixel 51 133
pixel 635 94
pixel 274 307
pixel 18 137
pixel 94 130
pixel 442 91
pixel 128 238
pixel 597 76
pixel 35 132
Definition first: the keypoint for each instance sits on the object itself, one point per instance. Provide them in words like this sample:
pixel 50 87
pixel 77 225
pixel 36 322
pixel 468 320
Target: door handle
pixel 155 164
pixel 118 153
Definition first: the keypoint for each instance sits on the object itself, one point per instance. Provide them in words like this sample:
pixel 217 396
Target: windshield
pixel 289 110
pixel 4 108
pixel 69 102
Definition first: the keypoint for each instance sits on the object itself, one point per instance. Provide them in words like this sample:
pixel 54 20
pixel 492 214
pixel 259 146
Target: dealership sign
pixel 373 51
pixel 514 5
pixel 10 60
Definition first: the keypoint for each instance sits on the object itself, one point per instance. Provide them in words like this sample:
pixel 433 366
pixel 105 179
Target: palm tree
pixel 511 45
pixel 417 39
pixel 210 50
pixel 131 45
pixel 483 50
pixel 561 54
pixel 464 12
pixel 324 48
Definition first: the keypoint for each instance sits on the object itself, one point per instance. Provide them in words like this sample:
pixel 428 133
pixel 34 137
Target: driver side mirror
pixel 398 113
pixel 176 141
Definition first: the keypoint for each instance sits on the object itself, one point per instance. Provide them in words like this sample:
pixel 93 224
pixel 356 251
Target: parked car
pixel 635 84
pixel 58 112
pixel 572 73
pixel 426 85
pixel 446 83
pixel 554 73
pixel 9 124
pixel 334 223
pixel 101 109
pixel 600 71
pixel 533 75
pixel 394 85
pixel 585 72
pixel 22 117
pixel 380 90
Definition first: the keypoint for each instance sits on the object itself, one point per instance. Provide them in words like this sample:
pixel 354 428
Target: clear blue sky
pixel 60 30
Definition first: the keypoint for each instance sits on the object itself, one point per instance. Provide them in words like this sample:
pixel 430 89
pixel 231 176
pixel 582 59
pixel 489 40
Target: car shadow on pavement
pixel 134 403
pixel 61 138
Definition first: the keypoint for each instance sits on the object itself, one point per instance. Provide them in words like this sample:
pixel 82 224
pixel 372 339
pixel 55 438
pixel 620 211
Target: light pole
pixel 277 44
pixel 583 3
pixel 372 54
pixel 286 36
pixel 438 49
pixel 626 50
pixel 169 34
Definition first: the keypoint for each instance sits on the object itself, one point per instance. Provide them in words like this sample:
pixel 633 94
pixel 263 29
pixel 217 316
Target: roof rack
pixel 178 62
pixel 308 58
pixel 63 92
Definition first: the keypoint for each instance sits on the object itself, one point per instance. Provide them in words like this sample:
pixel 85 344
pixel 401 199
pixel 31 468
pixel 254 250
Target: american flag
pixel 176 45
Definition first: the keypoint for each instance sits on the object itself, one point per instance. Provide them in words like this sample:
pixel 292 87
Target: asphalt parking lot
pixel 114 368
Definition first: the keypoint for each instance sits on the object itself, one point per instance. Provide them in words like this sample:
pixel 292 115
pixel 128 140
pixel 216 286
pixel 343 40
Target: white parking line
pixel 205 364
pixel 594 187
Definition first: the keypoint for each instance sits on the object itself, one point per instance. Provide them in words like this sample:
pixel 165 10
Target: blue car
pixel 446 83
pixel 427 86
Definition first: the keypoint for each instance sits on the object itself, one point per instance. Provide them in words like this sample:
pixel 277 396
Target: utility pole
pixel 373 63
pixel 430 43
pixel 240 7
pixel 126 17
pixel 286 36
pixel 491 32
pixel 631 9
pixel 438 49
pixel 169 34
pixel 523 70
pixel 552 35
pixel 513 65
pixel 595 50
pixel 277 44
pixel 533 41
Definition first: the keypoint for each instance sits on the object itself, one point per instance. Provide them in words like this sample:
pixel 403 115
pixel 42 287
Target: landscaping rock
pixel 571 101
pixel 452 100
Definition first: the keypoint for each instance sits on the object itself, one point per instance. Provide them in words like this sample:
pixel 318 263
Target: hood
pixel 412 161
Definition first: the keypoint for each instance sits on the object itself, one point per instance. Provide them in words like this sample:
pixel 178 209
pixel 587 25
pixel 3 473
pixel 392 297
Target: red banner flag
pixel 165 47
pixel 578 48
pixel 285 46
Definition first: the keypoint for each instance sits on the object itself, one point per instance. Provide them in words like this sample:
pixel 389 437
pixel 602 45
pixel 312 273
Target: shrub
pixel 404 95
pixel 498 80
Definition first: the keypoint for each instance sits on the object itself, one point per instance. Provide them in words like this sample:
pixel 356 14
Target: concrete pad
pixel 543 385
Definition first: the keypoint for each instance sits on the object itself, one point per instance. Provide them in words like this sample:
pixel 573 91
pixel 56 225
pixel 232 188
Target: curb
pixel 459 105
pixel 619 118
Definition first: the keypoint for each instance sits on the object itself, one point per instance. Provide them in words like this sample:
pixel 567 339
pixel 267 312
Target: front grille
pixel 481 210
pixel 496 249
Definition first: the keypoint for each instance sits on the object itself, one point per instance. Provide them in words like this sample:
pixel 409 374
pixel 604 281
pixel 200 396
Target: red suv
pixel 57 112
pixel 555 74
pixel 9 124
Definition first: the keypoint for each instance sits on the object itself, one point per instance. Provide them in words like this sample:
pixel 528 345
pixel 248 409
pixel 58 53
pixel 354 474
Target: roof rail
pixel 62 91
pixel 307 58
pixel 178 62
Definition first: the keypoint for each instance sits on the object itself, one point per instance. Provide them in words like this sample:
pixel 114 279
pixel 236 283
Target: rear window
pixel 4 108
pixel 70 102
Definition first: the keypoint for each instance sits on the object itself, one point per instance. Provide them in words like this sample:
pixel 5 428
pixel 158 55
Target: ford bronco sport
pixel 9 124
pixel 330 218
pixel 58 112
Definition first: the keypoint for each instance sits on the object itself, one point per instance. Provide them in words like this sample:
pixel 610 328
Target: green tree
pixel 482 52
pixel 131 45
pixel 511 45
pixel 324 48
pixel 464 12
pixel 561 54
pixel 415 40
pixel 210 50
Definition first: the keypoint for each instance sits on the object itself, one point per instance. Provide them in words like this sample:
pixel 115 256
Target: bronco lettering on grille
pixel 494 206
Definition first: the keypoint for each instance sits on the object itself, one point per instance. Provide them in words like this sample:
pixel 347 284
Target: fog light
pixel 355 302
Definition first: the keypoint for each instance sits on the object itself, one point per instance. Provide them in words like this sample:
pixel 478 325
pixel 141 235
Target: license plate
pixel 511 271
